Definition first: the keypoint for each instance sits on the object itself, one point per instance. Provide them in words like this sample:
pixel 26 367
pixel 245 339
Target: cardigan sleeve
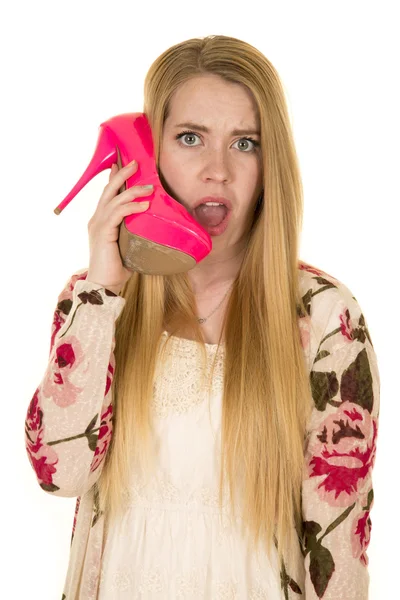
pixel 337 493
pixel 68 425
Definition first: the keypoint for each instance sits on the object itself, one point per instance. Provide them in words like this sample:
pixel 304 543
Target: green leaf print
pixel 287 581
pixel 327 284
pixel 321 355
pixel 65 306
pixel 92 423
pixel 322 564
pixel 337 521
pixel 311 528
pixel 294 586
pixel 89 430
pixel 93 297
pixel 356 382
pixel 324 387
pixel 49 487
pixel 306 300
pixel 97 513
pixel 362 326
pixel 322 567
pixel 370 500
pixel 92 440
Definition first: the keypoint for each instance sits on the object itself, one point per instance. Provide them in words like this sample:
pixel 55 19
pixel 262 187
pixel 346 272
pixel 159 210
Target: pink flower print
pixel 105 434
pixel 360 536
pixel 309 269
pixel 58 322
pixel 306 267
pixel 42 457
pixel 57 385
pixel 343 454
pixel 76 278
pixel 110 375
pixel 346 326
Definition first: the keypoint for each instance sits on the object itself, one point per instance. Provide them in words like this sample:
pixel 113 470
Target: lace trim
pixel 162 495
pixel 181 382
pixel 188 586
pixel 162 492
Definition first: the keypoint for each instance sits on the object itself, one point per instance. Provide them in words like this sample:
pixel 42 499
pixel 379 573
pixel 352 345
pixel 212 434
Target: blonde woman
pixel 217 427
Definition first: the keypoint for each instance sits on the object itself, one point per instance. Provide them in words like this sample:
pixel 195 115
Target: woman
pixel 243 395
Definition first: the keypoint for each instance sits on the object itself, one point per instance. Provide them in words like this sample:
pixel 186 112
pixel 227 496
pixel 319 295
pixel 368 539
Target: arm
pixel 69 419
pixel 340 452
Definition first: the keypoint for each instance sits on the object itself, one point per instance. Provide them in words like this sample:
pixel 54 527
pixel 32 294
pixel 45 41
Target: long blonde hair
pixel 266 398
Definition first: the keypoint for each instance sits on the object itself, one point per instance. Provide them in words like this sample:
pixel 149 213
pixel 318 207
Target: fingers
pixel 114 218
pixel 121 174
pixel 112 171
pixel 134 192
pixel 117 178
pixel 113 207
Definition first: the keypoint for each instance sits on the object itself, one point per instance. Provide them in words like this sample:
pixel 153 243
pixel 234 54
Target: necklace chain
pixel 202 320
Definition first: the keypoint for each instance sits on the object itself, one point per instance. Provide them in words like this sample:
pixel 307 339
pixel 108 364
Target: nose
pixel 216 166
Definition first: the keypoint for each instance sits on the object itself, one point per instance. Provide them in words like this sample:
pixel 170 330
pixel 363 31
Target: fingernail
pixel 131 164
pixel 147 187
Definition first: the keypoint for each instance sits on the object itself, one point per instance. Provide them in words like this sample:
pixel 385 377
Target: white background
pixel 66 67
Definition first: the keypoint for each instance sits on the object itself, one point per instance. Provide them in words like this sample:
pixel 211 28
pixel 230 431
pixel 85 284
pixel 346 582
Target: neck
pixel 217 271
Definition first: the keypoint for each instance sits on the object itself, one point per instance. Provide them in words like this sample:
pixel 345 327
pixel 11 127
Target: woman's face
pixel 213 161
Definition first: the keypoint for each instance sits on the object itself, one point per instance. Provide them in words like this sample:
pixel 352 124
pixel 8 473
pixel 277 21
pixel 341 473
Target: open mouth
pixel 210 214
pixel 213 217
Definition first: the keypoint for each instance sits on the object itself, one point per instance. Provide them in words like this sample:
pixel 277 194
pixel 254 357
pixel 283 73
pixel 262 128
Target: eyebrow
pixel 191 125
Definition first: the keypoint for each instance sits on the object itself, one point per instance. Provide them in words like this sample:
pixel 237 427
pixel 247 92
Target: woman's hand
pixel 105 265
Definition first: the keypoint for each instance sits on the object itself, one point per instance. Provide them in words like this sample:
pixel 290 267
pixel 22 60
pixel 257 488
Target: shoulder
pixel 333 314
pixel 322 288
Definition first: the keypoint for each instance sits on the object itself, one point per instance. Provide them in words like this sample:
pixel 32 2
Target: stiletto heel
pixel 105 155
pixel 163 240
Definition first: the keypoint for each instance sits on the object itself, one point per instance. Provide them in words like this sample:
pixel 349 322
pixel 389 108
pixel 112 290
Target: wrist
pixel 116 289
pixel 113 288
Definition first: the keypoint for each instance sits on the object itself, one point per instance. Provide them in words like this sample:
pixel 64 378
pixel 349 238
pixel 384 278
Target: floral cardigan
pixel 69 426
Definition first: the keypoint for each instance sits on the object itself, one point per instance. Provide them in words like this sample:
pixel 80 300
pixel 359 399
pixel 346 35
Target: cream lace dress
pixel 173 541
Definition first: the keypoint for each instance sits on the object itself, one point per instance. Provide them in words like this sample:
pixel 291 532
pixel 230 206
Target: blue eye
pixel 249 139
pixel 194 135
pixel 186 133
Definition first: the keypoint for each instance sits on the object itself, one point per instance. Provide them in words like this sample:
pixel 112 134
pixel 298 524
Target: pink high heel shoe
pixel 163 240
